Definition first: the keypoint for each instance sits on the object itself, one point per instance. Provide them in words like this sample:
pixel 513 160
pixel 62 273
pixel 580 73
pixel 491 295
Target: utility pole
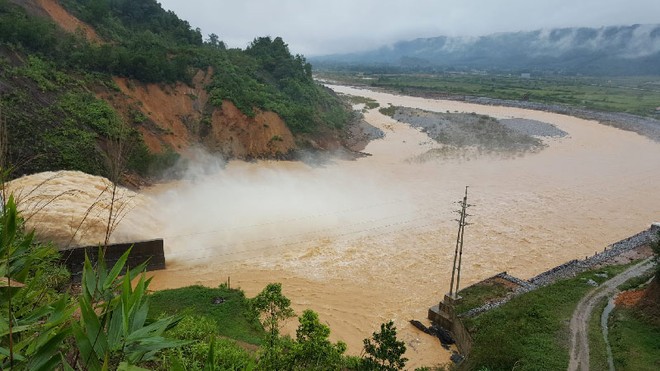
pixel 458 252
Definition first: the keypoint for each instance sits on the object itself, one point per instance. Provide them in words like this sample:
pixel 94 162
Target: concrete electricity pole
pixel 458 252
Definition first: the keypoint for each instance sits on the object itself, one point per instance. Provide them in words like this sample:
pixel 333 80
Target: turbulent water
pixel 72 208
pixel 362 242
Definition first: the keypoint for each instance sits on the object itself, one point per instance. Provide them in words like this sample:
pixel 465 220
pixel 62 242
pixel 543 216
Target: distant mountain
pixel 617 50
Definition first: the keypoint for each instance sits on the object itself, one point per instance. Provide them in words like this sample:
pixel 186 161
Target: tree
pixel 98 9
pixel 383 350
pixel 313 350
pixel 271 307
pixel 214 40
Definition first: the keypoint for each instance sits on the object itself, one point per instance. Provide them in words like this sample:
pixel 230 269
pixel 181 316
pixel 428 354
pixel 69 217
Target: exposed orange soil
pixel 236 135
pixel 66 20
pixel 175 118
pixel 629 298
pixel 168 107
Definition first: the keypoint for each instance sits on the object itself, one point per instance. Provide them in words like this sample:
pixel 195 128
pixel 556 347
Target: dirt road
pixel 579 322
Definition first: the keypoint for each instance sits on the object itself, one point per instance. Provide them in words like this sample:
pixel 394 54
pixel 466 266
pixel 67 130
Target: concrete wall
pixel 145 251
pixel 462 336
pixel 444 316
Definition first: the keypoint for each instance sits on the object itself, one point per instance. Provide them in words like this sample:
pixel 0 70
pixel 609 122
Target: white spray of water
pixel 268 208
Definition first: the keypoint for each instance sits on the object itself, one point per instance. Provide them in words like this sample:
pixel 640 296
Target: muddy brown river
pixel 362 242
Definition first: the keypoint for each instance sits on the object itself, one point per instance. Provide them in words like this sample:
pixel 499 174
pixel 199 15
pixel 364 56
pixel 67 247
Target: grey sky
pixel 316 27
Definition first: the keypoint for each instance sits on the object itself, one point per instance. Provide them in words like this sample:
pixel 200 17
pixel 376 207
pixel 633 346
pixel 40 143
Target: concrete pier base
pixel 444 315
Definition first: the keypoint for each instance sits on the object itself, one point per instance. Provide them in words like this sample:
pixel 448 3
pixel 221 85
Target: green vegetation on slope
pixel 476 295
pixel 597 346
pixel 634 341
pixel 163 48
pixel 55 123
pixel 530 332
pixel 268 77
pixel 227 309
pixel 45 70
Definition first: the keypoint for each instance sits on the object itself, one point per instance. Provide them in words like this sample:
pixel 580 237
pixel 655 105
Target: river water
pixel 362 242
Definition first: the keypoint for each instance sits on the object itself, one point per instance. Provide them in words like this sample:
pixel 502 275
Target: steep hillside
pixel 77 76
pixel 624 50
pixel 177 116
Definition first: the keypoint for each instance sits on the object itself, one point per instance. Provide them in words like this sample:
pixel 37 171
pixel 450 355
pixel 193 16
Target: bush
pixel 202 336
pixel 383 350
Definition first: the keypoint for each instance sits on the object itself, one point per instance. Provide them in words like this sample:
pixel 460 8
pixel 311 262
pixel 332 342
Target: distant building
pixel 526 75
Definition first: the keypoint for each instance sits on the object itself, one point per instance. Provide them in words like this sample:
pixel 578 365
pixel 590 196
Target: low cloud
pixel 315 27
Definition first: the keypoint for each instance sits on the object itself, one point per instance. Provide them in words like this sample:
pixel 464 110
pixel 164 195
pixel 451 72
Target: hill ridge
pixel 611 50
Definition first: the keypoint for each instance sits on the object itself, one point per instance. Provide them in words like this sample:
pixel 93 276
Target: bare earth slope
pixel 180 116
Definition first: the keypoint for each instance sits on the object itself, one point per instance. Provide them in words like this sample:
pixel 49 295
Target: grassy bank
pixel 530 332
pixel 597 346
pixel 635 344
pixel 227 308
pixel 476 295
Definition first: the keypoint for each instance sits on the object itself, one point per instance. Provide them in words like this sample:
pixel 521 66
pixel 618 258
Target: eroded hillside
pixel 176 117
pixel 73 72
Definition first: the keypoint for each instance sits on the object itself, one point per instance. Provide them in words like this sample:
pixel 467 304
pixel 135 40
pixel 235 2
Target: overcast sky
pixel 317 27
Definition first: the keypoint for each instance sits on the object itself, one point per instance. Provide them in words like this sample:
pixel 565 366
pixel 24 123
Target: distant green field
pixel 637 95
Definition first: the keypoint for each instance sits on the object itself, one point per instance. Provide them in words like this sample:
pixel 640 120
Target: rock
pixel 456 358
pixel 442 334
pixel 218 300
pixel 420 326
pixel 602 275
pixel 592 283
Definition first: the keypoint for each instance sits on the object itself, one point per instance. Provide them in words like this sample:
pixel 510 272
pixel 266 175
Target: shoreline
pixel 646 126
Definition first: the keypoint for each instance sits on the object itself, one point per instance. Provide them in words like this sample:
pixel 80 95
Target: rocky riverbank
pixel 646 126
pixel 469 135
pixel 627 247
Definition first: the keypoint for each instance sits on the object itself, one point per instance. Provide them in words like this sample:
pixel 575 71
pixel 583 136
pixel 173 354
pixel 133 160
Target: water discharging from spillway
pixel 362 242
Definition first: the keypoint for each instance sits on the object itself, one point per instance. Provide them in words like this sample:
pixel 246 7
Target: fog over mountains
pixel 614 50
